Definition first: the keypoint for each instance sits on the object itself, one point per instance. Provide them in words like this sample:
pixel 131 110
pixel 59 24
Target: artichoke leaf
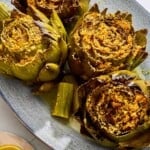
pixel 57 24
pixel 124 74
pixel 48 30
pixel 100 138
pixel 4 11
pixel 141 84
pixel 139 142
pixel 95 8
pixel 21 5
pixel 50 71
pixel 140 37
pixel 64 51
pixel 27 70
pixel 4 14
pixel 136 61
pixel 53 53
pixel 132 134
pixel 38 14
pixel 84 6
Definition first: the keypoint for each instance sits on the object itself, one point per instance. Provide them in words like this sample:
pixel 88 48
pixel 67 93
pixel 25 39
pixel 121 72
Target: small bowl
pixel 10 139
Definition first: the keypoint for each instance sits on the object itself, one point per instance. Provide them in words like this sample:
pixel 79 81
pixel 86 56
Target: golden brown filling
pixel 117 109
pixel 22 39
pixel 20 34
pixel 108 39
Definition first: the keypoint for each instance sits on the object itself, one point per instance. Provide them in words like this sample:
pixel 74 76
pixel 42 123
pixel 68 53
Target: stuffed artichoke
pixel 32 50
pixel 114 108
pixel 101 43
pixel 68 10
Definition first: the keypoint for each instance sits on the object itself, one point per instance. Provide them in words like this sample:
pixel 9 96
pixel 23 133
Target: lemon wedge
pixel 10 147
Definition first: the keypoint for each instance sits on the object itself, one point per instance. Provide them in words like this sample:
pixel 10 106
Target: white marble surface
pixel 9 122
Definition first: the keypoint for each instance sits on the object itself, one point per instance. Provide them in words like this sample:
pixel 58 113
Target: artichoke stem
pixel 75 100
pixel 63 100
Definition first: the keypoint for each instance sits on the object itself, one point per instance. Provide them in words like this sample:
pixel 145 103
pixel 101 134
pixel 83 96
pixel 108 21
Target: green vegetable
pixel 114 107
pixel 64 100
pixel 75 103
pixel 4 11
pixel 68 10
pixel 103 42
pixel 32 50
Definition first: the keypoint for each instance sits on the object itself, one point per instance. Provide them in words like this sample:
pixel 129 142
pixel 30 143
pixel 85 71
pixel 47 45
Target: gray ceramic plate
pixel 36 115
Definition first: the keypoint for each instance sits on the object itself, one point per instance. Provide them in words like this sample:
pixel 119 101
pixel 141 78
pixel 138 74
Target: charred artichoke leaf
pixel 20 4
pixel 103 42
pixel 56 26
pixel 38 14
pixel 114 106
pixel 138 142
pixel 31 49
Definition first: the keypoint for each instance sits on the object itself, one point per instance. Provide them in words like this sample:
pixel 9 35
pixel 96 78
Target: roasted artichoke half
pixel 103 42
pixel 32 50
pixel 114 108
pixel 68 10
